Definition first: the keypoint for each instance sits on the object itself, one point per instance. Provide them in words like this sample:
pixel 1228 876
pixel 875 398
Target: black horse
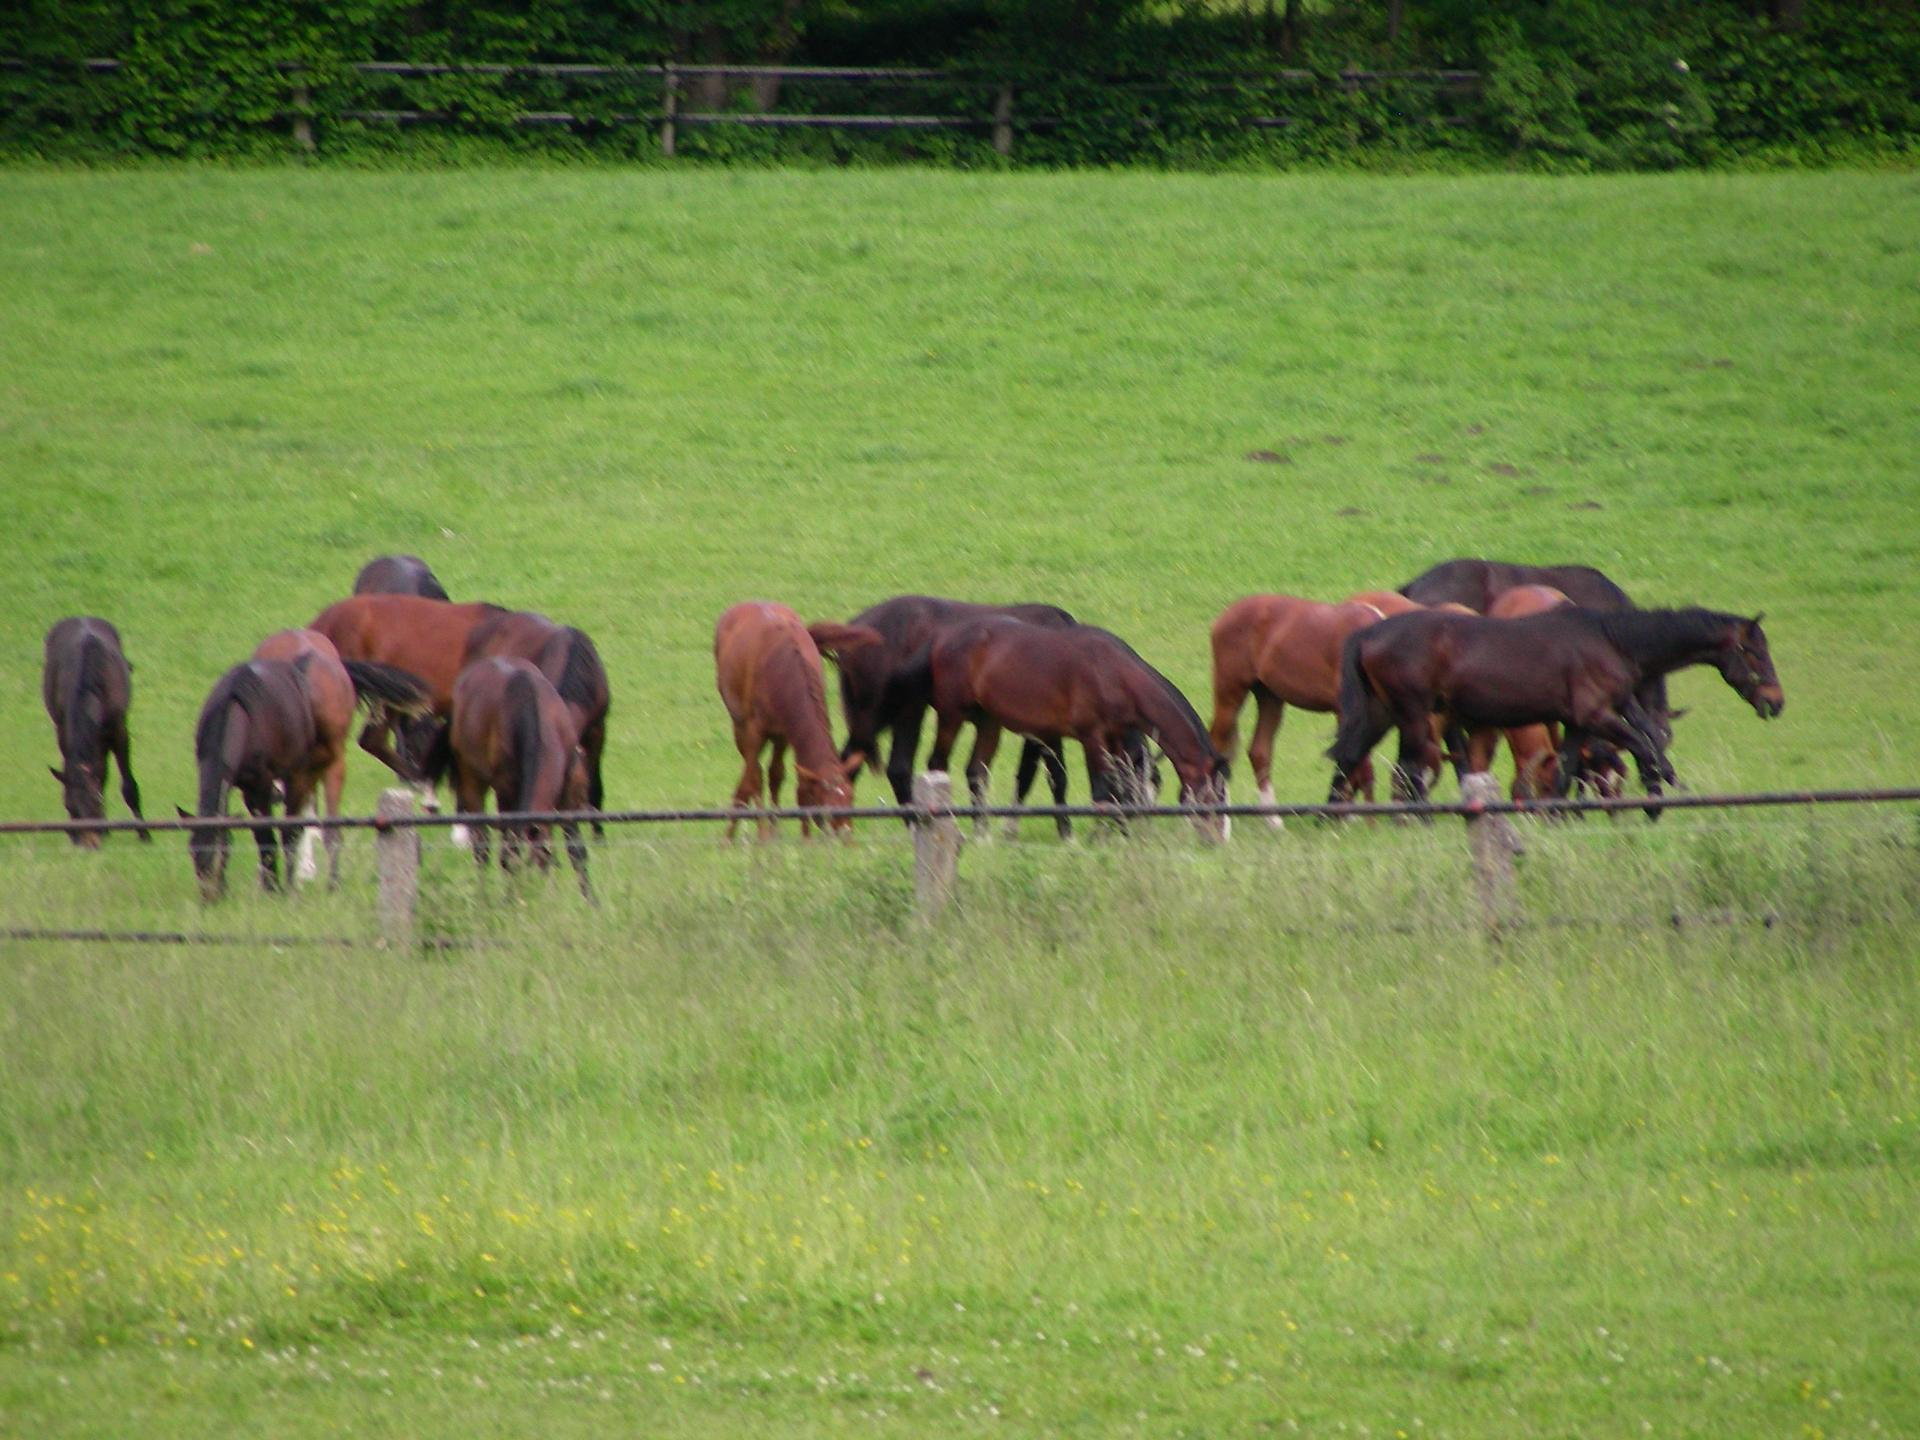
pixel 87 685
pixel 1476 584
pixel 1582 669
pixel 889 686
pixel 398 575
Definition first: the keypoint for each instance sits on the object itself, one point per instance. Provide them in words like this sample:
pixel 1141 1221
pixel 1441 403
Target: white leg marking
pixel 461 837
pixel 306 867
pixel 1267 798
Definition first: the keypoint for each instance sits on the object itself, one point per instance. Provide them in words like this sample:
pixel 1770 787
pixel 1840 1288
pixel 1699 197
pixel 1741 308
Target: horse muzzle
pixel 1768 702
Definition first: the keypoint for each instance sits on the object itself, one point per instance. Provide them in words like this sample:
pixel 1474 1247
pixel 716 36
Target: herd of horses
pixel 1556 660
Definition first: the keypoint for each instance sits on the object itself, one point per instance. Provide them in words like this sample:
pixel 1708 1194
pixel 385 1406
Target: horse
pixel 333 690
pixel 1582 669
pixel 398 575
pixel 889 686
pixel 87 685
pixel 767 668
pixel 1476 584
pixel 255 732
pixel 1081 682
pixel 1536 748
pixel 513 734
pixel 1285 651
pixel 568 659
pixel 425 638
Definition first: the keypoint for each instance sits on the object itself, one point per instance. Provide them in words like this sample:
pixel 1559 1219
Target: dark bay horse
pixel 767 667
pixel 568 659
pixel 87 685
pixel 889 685
pixel 1284 650
pixel 1082 683
pixel 1476 584
pixel 513 734
pixel 1581 669
pixel 255 733
pixel 333 689
pixel 1536 748
pixel 398 575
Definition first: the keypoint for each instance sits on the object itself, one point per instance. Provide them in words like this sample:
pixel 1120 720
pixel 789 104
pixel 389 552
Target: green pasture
pixel 1144 1138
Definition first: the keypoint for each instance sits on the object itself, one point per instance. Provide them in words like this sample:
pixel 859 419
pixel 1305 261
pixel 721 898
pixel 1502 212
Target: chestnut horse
pixel 1583 669
pixel 425 638
pixel 333 689
pixel 767 667
pixel 398 575
pixel 1285 651
pixel 87 685
pixel 513 734
pixel 568 659
pixel 1081 682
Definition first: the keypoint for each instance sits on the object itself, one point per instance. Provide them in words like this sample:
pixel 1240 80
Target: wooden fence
pixel 995 99
pixel 933 819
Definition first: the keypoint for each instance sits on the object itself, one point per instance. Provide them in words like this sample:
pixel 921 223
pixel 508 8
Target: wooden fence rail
pixel 997 117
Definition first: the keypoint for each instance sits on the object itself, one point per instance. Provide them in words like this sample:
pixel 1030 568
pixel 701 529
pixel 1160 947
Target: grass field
pixel 1146 1139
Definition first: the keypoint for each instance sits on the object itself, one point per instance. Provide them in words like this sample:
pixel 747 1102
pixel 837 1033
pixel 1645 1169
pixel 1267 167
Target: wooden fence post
pixel 1494 844
pixel 669 107
pixel 1003 120
pixel 302 113
pixel 936 844
pixel 397 854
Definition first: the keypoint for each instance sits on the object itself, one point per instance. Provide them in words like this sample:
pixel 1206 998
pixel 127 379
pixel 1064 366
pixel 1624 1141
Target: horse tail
pixel 832 639
pixel 400 691
pixel 523 736
pixel 1350 746
pixel 240 688
pixel 582 679
pixel 84 721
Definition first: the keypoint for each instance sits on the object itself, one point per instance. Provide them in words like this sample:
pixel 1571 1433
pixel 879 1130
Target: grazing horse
pixel 333 690
pixel 1579 668
pixel 513 734
pixel 398 575
pixel 1285 651
pixel 426 638
pixel 767 667
pixel 255 733
pixel 1081 682
pixel 1476 584
pixel 1536 748
pixel 87 685
pixel 568 659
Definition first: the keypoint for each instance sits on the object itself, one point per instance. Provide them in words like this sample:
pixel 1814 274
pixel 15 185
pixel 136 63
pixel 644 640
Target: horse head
pixel 831 788
pixel 1746 664
pixel 1205 783
pixel 82 786
pixel 209 851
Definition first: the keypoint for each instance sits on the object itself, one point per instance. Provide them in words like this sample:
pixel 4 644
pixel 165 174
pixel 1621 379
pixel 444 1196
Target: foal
pixel 87 685
pixel 767 666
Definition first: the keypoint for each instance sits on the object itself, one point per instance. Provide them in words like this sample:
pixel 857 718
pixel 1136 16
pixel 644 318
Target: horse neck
pixel 220 760
pixel 1172 721
pixel 798 700
pixel 1662 640
pixel 80 721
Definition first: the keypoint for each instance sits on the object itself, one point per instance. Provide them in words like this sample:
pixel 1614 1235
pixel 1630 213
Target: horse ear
pixel 1679 714
pixel 1754 624
pixel 59 775
pixel 184 815
pixel 850 767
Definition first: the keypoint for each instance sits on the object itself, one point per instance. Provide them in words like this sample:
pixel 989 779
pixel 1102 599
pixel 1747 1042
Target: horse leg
pixel 1229 694
pixel 1419 757
pixel 749 742
pixel 259 803
pixel 594 743
pixel 906 743
pixel 1100 783
pixel 776 778
pixel 470 798
pixel 986 744
pixel 1358 773
pixel 1052 757
pixel 1030 752
pixel 129 789
pixel 1646 754
pixel 1270 711
pixel 577 853
pixel 296 840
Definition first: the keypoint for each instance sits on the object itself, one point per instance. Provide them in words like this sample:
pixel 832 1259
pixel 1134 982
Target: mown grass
pixel 1142 1139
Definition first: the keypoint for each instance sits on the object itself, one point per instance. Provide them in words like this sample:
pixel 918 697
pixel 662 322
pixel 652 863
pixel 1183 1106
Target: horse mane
pixel 1632 629
pixel 523 732
pixel 83 720
pixel 240 686
pixel 1170 692
pixel 582 669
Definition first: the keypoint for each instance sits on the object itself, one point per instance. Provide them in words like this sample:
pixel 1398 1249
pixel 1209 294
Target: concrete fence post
pixel 1494 844
pixel 1003 120
pixel 669 109
pixel 302 114
pixel 936 844
pixel 397 856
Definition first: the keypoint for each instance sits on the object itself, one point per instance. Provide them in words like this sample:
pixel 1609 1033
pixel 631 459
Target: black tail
pixel 582 680
pixel 398 690
pixel 82 740
pixel 240 686
pixel 1351 740
pixel 523 732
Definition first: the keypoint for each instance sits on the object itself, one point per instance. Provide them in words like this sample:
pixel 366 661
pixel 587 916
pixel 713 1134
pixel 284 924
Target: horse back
pixel 85 664
pixel 410 632
pixel 322 677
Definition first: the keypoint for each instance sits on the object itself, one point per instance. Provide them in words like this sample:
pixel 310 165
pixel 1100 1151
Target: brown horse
pixel 1583 669
pixel 333 690
pixel 87 685
pixel 398 575
pixel 513 734
pixel 1285 651
pixel 426 638
pixel 767 666
pixel 567 657
pixel 1080 682
pixel 255 733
